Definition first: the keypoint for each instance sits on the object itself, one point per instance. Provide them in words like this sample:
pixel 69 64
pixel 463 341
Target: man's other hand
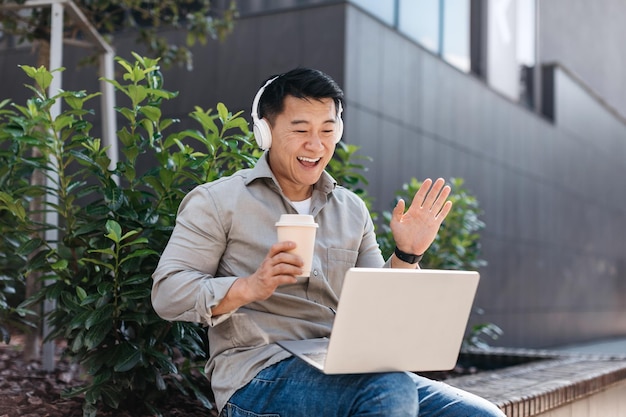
pixel 416 229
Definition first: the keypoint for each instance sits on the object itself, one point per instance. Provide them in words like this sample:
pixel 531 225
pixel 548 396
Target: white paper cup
pixel 299 228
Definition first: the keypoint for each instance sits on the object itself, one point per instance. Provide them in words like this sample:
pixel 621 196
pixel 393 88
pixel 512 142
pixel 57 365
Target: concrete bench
pixel 549 383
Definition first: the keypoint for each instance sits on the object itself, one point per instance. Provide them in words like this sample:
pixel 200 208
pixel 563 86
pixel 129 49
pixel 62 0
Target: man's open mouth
pixel 310 162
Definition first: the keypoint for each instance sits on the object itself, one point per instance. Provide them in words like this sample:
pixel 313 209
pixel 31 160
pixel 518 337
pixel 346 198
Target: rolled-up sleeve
pixel 184 284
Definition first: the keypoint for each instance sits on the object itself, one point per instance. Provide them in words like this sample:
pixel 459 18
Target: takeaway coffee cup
pixel 299 228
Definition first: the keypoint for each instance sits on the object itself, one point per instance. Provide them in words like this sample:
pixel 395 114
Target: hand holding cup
pixel 301 229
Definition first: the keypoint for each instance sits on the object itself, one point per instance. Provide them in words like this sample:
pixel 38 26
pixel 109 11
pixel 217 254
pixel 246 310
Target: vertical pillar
pixel 537 71
pixel 51 216
pixel 107 103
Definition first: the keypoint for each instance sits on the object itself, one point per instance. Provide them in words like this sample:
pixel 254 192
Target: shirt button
pixel 315 272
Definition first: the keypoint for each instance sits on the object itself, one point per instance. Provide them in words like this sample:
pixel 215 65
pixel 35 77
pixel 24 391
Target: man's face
pixel 303 141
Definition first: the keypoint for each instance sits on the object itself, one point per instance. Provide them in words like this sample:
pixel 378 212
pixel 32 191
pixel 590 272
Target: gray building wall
pixel 551 191
pixel 589 37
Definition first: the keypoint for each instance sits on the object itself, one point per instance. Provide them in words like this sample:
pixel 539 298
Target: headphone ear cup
pixel 339 126
pixel 262 131
pixel 262 134
pixel 339 129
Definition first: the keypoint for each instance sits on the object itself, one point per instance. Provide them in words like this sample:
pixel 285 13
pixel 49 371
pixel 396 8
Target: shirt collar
pixel 262 169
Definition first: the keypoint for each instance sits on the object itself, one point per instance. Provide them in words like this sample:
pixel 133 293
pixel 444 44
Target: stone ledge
pixel 546 381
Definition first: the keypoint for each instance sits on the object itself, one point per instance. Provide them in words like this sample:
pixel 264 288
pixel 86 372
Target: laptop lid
pixel 399 320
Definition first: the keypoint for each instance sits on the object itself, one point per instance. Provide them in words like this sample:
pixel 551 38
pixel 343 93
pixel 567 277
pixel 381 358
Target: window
pixel 455 33
pixel 441 26
pixel 384 10
pixel 419 20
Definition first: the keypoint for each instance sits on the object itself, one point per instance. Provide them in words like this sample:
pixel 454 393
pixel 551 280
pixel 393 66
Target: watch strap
pixel 407 257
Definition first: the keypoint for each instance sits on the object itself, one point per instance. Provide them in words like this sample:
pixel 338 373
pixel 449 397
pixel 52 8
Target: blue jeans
pixel 291 388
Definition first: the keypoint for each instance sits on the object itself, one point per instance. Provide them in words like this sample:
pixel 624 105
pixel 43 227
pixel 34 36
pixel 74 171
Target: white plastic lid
pixel 305 220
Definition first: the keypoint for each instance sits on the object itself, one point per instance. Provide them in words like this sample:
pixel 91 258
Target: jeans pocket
pixel 231 410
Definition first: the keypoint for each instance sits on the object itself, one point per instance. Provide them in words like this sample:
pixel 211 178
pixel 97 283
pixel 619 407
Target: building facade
pixel 524 100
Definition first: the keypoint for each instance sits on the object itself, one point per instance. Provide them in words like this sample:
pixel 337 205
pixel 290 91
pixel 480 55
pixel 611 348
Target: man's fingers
pixel 444 211
pixel 441 199
pixel 279 247
pixel 433 194
pixel 421 194
pixel 398 210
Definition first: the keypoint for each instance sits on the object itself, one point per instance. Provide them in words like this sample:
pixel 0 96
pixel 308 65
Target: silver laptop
pixel 394 320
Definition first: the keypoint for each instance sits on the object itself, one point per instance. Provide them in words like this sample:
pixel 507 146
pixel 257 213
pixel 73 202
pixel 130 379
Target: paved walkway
pixel 611 347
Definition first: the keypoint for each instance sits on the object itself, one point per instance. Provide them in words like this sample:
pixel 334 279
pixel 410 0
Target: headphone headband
pixel 257 98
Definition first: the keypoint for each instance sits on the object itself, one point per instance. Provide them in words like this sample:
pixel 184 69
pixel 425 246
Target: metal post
pixel 52 177
pixel 537 71
pixel 442 28
pixel 107 102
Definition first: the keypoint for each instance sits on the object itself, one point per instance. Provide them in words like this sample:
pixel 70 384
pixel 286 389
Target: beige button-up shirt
pixel 224 230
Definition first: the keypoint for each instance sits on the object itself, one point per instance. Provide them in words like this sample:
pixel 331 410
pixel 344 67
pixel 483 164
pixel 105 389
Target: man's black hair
pixel 305 83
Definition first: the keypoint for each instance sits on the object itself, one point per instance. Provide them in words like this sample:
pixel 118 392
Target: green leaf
pixel 237 123
pixel 29 246
pixel 97 334
pixel 100 315
pixel 129 234
pixel 62 122
pixel 151 112
pixel 128 358
pixel 78 342
pixel 148 126
pixel 127 66
pixel 165 123
pixel 137 279
pixel 78 319
pixel 137 93
pixel 130 116
pixel 164 361
pixel 42 76
pixel 114 231
pixel 60 265
pixel 137 294
pixel 105 251
pixel 222 111
pixel 81 293
pixel 140 253
pixel 114 197
pixel 206 120
pixel 14 206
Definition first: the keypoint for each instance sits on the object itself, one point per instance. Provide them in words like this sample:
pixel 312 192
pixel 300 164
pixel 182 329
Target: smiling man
pixel 223 267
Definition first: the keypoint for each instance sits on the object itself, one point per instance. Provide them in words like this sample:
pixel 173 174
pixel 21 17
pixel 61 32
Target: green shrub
pixel 113 224
pixel 16 169
pixel 347 172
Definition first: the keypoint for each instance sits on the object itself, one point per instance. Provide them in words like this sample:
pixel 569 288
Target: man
pixel 223 267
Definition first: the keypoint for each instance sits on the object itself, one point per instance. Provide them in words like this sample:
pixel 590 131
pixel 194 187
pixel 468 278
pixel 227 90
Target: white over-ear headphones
pixel 262 131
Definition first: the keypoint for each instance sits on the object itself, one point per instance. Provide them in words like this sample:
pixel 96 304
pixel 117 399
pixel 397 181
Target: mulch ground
pixel 28 391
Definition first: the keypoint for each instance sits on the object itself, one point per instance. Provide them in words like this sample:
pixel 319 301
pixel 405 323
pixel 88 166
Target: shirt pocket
pixel 339 261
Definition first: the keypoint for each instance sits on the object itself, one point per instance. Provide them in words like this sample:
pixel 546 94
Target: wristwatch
pixel 407 257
